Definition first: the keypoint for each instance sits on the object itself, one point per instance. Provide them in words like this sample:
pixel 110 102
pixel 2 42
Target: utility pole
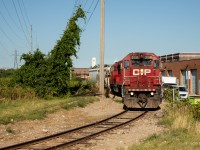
pixel 101 86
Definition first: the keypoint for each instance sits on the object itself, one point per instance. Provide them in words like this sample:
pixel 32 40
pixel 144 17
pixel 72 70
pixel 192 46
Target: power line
pixel 7 36
pixel 91 14
pixel 3 46
pixel 75 5
pixel 10 15
pixel 85 4
pixel 20 21
pixel 90 6
pixel 4 19
pixel 22 15
pixel 79 3
pixel 26 12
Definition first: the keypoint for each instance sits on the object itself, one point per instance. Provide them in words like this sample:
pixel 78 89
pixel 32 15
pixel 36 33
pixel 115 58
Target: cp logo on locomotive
pixel 141 71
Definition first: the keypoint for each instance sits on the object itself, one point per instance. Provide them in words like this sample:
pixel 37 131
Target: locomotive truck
pixel 137 78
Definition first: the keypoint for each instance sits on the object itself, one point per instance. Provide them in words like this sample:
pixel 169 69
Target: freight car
pixel 137 78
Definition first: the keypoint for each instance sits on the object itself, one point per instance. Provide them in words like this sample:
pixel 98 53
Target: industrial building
pixel 94 74
pixel 82 73
pixel 184 66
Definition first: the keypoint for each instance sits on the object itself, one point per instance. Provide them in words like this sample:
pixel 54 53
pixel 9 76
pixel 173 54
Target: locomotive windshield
pixel 141 62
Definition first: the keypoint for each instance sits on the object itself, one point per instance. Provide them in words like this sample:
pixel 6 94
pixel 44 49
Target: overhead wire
pixel 6 22
pixel 74 8
pixel 22 15
pixel 3 46
pixel 10 15
pixel 83 5
pixel 20 22
pixel 25 12
pixel 91 14
pixel 8 37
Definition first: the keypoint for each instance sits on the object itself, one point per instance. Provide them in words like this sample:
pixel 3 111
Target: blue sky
pixel 159 26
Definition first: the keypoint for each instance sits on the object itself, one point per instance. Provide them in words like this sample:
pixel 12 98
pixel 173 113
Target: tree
pixel 51 74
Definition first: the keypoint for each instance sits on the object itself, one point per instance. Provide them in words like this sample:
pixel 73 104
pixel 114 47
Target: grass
pixel 119 101
pixel 183 132
pixel 37 109
pixel 174 139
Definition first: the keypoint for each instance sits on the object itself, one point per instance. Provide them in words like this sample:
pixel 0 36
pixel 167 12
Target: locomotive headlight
pixel 152 93
pixel 132 93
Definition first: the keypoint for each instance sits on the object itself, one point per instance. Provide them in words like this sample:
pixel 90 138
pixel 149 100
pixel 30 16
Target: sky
pixel 159 26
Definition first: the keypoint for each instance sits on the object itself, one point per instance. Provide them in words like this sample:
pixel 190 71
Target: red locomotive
pixel 137 78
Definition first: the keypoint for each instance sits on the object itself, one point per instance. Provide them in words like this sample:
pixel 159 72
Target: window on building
pixel 183 73
pixel 163 73
pixel 170 73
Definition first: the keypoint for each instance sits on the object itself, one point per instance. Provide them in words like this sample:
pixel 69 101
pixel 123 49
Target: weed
pixel 118 101
pixel 38 109
pixel 10 130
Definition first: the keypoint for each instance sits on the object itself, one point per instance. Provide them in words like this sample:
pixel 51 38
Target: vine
pixel 50 75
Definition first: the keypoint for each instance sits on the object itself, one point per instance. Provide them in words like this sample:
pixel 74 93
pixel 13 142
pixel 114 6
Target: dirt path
pixel 63 120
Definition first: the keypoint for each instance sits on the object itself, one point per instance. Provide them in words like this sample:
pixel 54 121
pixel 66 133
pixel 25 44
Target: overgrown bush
pixel 6 73
pixel 50 75
pixel 175 102
pixel 17 92
pixel 79 86
pixel 196 111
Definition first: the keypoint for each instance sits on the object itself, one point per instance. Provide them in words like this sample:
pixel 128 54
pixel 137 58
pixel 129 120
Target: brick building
pixel 82 73
pixel 184 66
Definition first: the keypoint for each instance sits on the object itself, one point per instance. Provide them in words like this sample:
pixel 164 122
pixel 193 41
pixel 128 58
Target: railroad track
pixel 81 134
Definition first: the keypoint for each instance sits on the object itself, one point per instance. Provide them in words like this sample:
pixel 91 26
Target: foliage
pixel 6 72
pixel 50 75
pixel 196 110
pixel 174 139
pixel 13 92
pixel 183 130
pixel 12 111
pixel 180 103
pixel 78 102
pixel 170 95
pixel 78 86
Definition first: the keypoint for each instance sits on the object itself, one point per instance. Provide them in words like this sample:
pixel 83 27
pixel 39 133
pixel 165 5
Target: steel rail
pixel 95 134
pixel 72 142
pixel 58 134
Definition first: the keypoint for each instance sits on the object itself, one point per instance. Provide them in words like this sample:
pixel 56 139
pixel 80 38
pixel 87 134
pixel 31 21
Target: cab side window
pixel 126 64
pixel 156 64
pixel 115 68
pixel 119 69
